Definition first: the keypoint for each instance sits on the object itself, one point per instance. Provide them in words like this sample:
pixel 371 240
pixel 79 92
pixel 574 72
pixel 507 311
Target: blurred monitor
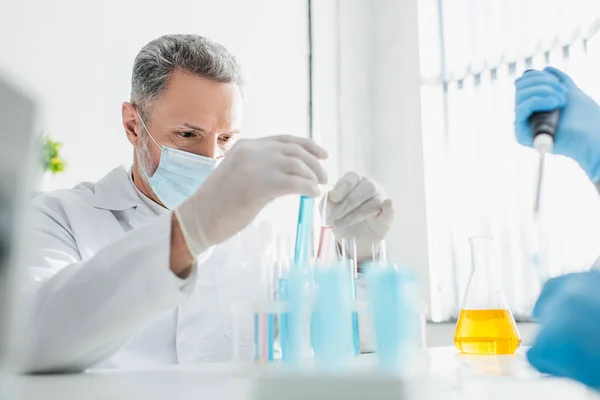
pixel 16 134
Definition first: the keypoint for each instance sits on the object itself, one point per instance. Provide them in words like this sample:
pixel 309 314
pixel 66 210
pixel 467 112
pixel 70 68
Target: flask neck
pixel 483 290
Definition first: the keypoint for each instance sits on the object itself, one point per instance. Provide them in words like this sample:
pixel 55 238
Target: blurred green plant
pixel 51 159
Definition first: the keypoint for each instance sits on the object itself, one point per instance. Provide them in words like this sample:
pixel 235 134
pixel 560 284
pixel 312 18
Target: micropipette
pixel 543 125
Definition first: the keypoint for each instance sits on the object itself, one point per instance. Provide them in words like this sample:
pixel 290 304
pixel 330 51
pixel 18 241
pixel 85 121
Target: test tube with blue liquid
pixel 303 233
pixel 264 334
pixel 301 264
pixel 332 254
pixel 327 258
pixel 268 311
pixel 349 258
pixel 331 329
pixel 264 315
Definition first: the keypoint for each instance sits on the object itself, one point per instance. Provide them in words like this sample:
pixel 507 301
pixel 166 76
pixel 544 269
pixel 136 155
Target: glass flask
pixel 485 324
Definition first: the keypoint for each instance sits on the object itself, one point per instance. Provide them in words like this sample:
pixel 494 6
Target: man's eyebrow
pixel 193 127
pixel 197 128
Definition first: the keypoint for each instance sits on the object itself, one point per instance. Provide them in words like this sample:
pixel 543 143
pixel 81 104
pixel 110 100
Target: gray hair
pixel 194 54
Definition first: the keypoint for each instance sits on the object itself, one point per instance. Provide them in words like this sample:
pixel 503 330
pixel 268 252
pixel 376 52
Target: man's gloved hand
pixel 578 135
pixel 568 343
pixel 254 173
pixel 358 208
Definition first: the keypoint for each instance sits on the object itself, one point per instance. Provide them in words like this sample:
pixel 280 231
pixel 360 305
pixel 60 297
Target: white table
pixel 451 376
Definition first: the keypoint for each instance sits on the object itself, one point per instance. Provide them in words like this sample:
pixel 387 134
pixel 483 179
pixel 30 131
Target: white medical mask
pixel 179 173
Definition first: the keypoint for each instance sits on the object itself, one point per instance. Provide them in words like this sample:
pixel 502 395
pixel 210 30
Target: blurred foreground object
pixel 568 342
pixel 16 127
pixel 51 157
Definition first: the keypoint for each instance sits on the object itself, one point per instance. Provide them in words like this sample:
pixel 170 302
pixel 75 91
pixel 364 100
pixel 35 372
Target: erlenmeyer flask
pixel 485 324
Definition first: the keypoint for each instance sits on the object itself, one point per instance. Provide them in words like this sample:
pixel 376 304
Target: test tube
pixel 349 258
pixel 380 253
pixel 324 210
pixel 264 319
pixel 327 253
pixel 298 316
pixel 235 350
pixel 264 335
pixel 389 318
pixel 303 233
pixel 283 262
pixel 284 335
pixel 332 332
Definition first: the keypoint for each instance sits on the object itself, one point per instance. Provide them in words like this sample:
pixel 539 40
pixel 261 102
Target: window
pixel 479 181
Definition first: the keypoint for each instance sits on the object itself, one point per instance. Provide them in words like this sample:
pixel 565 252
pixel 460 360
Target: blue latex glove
pixel 568 343
pixel 578 135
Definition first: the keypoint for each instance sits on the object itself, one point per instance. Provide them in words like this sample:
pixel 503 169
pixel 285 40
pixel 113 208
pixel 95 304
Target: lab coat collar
pixel 115 191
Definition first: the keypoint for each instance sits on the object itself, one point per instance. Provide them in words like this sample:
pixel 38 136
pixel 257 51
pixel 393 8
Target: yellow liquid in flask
pixel 486 332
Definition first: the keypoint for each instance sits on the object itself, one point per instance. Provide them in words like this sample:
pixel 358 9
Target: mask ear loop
pixel 148 131
pixel 142 166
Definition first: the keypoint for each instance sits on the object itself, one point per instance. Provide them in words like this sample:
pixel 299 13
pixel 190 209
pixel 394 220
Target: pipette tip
pixel 538 193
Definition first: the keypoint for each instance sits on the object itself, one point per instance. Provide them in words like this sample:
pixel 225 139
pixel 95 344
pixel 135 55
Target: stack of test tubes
pixel 320 298
pixel 264 317
pixel 329 284
pixel 270 313
pixel 312 304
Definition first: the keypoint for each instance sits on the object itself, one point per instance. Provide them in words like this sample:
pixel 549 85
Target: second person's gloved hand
pixel 568 342
pixel 254 173
pixel 578 134
pixel 358 208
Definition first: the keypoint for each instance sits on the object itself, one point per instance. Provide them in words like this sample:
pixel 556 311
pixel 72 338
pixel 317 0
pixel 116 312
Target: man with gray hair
pixel 143 266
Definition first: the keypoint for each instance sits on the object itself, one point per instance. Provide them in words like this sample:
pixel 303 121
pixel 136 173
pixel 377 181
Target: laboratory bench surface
pixel 450 376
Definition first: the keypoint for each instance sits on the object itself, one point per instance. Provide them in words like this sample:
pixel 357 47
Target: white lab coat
pixel 103 292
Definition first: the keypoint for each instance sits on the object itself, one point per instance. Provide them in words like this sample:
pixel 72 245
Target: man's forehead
pixel 201 110
pixel 192 114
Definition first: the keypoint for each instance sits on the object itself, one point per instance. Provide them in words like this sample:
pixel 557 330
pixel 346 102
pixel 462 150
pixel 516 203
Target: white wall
pixel 77 57
pixel 367 97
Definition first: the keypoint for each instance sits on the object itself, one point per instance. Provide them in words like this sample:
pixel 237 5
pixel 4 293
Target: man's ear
pixel 130 122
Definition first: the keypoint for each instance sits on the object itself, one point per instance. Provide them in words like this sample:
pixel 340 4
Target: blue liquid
pixel 260 347
pixel 355 334
pixel 284 335
pixel 270 336
pixel 355 330
pixel 331 328
pixel 303 232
